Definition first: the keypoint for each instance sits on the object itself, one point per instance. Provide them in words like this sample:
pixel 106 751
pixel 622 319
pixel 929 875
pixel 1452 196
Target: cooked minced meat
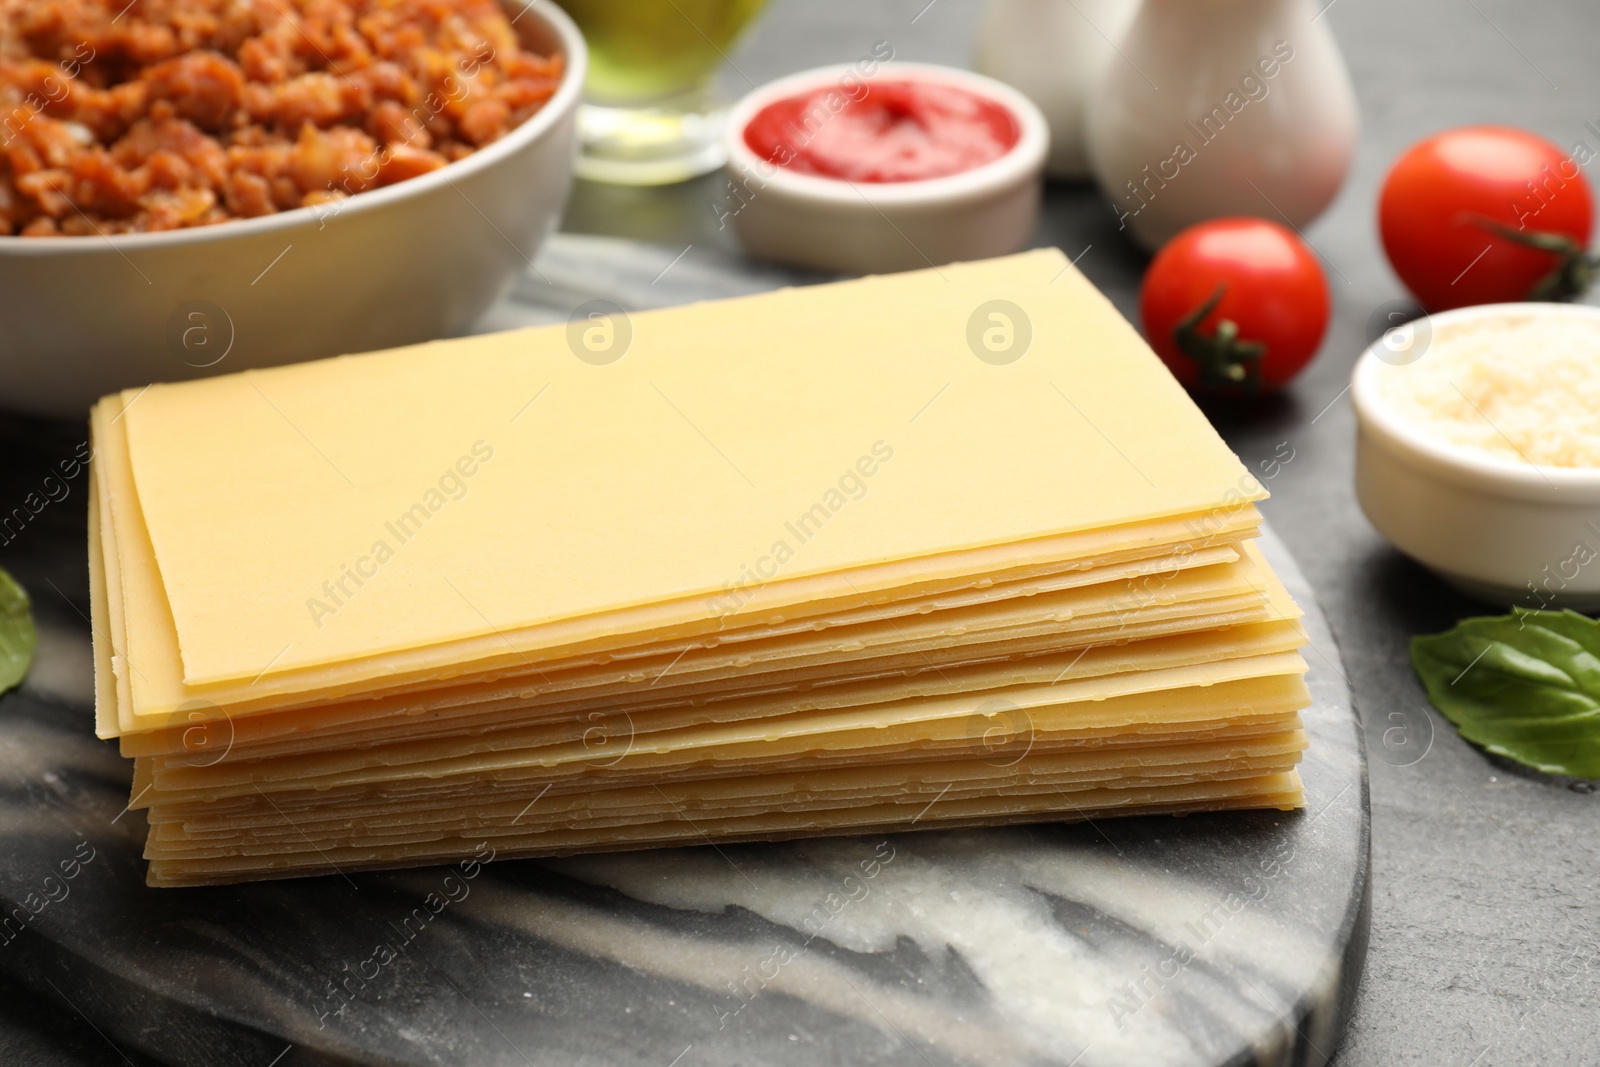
pixel 118 117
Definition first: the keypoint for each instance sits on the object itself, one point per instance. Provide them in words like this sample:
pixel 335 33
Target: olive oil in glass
pixel 650 114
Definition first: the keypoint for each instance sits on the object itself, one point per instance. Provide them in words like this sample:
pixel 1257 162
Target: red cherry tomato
pixel 1484 215
pixel 1235 305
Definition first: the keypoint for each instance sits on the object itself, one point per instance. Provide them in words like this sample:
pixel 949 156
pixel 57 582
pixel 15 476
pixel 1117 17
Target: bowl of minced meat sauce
pixel 196 187
pixel 1478 449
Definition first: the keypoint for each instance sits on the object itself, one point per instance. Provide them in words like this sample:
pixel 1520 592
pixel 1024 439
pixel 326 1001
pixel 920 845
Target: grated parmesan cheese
pixel 1523 388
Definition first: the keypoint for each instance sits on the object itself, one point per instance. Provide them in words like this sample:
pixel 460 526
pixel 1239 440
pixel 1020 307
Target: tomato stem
pixel 1225 361
pixel 1574 271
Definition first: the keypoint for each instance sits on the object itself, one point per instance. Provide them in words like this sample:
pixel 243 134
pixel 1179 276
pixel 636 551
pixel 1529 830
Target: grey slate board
pixel 1017 946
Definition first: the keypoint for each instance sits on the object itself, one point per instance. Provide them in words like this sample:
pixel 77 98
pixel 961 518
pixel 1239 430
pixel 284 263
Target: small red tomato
pixel 1485 215
pixel 1235 305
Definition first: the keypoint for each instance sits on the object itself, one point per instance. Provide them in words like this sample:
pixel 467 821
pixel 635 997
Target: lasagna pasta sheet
pixel 794 564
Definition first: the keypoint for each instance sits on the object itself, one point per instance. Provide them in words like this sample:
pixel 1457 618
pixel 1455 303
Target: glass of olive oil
pixel 651 114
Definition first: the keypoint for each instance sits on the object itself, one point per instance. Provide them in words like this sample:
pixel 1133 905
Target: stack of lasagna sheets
pixel 938 549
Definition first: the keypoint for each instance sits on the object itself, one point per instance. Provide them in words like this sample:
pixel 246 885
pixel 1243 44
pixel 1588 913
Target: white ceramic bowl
pixel 81 317
pixel 1498 529
pixel 876 227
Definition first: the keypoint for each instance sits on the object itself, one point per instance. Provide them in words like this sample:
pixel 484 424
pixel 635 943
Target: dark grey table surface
pixel 1486 881
pixel 1486 908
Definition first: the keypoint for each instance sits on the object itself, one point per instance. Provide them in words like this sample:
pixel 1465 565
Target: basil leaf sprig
pixel 17 635
pixel 1525 686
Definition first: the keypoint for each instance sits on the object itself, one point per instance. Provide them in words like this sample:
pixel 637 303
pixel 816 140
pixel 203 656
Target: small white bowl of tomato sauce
pixel 872 167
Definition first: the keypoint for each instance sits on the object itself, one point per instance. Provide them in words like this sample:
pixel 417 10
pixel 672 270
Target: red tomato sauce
pixel 899 131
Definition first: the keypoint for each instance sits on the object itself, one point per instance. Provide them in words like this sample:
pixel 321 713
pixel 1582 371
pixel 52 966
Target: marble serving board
pixel 1207 940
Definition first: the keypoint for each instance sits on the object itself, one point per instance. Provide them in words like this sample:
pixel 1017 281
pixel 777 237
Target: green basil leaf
pixel 17 636
pixel 1525 686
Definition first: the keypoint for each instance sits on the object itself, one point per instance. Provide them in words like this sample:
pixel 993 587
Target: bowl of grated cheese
pixel 1478 449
